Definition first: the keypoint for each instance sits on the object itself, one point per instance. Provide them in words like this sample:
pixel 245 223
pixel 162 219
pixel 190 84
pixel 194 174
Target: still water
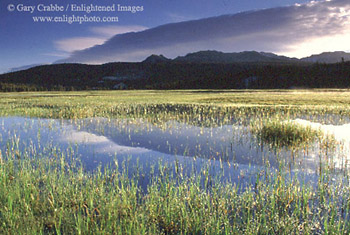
pixel 231 150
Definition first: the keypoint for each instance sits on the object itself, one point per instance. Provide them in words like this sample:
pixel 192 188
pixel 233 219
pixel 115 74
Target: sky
pixel 295 28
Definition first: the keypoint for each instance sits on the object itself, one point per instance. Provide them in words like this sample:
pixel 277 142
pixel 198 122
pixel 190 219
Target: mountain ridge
pixel 213 56
pixel 328 57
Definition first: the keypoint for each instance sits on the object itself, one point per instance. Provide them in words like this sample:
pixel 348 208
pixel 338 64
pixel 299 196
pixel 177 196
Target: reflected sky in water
pixel 230 149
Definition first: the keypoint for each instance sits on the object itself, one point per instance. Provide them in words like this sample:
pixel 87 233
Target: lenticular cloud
pixel 290 30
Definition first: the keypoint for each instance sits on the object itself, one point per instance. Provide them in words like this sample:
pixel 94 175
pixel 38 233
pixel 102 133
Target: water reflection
pixel 231 149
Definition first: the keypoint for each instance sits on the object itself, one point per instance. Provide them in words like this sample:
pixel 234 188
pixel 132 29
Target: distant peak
pixel 328 57
pixel 156 59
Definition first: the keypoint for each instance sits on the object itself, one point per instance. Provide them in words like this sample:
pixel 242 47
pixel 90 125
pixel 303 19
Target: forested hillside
pixel 178 75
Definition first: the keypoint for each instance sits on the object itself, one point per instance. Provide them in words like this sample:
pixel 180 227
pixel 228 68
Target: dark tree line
pixel 178 75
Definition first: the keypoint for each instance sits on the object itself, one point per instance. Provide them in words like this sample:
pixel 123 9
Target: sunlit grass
pixel 286 133
pixel 115 103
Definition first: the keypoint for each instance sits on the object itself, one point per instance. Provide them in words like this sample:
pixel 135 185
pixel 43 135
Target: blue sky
pixel 24 42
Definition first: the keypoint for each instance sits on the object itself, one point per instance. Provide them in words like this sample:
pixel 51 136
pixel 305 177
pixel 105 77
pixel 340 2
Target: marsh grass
pixel 174 104
pixel 51 196
pixel 280 133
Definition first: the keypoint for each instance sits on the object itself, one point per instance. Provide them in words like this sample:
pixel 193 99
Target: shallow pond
pixel 230 151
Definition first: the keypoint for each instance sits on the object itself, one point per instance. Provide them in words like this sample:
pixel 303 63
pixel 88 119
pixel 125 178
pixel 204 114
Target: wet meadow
pixel 175 162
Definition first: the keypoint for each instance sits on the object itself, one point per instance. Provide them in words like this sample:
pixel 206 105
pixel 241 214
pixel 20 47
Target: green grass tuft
pixel 286 134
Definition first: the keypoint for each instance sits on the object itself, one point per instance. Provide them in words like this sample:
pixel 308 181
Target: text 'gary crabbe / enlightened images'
pixel 86 8
pixel 91 12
